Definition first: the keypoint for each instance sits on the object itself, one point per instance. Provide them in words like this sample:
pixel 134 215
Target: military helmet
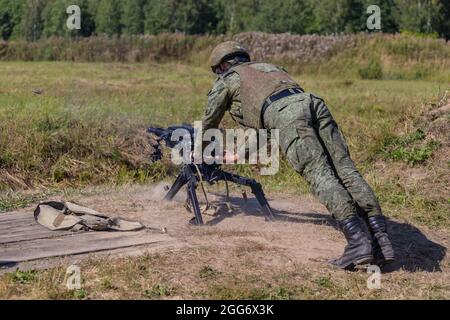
pixel 225 51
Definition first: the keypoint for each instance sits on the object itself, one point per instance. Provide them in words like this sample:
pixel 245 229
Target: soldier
pixel 261 95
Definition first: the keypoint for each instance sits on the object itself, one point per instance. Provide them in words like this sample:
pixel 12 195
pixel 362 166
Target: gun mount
pixel 191 175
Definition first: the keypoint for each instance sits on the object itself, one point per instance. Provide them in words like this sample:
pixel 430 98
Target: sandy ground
pixel 303 238
pixel 303 232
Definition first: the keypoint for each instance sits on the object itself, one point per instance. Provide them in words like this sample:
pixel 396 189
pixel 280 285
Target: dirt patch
pixel 233 255
pixel 304 230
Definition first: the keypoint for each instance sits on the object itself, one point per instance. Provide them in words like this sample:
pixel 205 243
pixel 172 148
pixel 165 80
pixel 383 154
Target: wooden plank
pixel 13 229
pixel 8 225
pixel 18 220
pixel 77 244
pixel 27 231
pixel 27 236
pixel 31 227
pixel 15 216
pixel 22 226
pixel 5 223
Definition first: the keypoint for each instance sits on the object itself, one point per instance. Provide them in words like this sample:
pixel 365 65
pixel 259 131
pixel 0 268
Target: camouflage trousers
pixel 315 147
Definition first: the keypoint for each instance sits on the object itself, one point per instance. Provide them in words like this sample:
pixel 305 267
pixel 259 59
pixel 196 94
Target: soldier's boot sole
pixel 357 252
pixel 351 264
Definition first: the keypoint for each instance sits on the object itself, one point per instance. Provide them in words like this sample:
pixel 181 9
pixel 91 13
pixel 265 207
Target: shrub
pixel 410 148
pixel 372 71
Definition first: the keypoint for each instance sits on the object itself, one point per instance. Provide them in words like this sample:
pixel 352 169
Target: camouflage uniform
pixel 260 95
pixel 311 142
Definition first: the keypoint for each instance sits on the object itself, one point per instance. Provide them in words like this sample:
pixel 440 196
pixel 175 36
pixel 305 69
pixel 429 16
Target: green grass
pixel 23 277
pixel 372 70
pixel 158 291
pixel 415 155
pixel 14 200
pixel 405 148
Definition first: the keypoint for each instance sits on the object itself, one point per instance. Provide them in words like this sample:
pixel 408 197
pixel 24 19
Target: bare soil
pixel 243 244
pixel 304 230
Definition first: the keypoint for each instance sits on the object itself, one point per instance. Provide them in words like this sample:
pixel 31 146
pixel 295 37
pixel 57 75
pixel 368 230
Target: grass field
pixel 67 126
pixel 86 126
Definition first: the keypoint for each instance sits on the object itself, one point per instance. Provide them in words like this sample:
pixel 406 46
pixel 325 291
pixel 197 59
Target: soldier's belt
pixel 278 96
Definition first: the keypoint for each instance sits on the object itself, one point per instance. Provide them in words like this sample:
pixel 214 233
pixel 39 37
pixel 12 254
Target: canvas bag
pixel 61 215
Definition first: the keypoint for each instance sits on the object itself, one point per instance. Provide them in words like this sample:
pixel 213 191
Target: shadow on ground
pixel 7 264
pixel 414 251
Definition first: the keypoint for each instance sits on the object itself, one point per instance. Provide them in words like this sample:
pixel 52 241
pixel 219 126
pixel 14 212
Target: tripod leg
pixel 259 194
pixel 177 185
pixel 256 189
pixel 187 177
pixel 194 202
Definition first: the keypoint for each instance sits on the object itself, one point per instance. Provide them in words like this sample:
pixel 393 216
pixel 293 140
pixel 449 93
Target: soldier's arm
pixel 218 104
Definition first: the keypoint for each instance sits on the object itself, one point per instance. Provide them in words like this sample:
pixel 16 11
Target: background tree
pixel 418 16
pixel 389 12
pixel 30 19
pixel 158 16
pixel 241 15
pixel 339 16
pixel 10 18
pixel 133 17
pixel 55 16
pixel 294 16
pixel 32 23
pixel 108 18
pixel 441 23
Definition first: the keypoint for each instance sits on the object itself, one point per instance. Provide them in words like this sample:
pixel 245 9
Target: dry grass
pixel 193 274
pixel 400 56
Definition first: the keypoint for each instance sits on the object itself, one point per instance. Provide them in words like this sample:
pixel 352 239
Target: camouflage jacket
pixel 224 96
pixel 229 94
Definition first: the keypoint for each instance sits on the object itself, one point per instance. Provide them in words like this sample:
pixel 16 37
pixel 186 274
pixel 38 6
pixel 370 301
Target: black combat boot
pixel 358 250
pixel 382 247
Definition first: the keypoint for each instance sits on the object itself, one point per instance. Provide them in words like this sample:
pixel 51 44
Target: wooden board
pixel 16 227
pixel 22 239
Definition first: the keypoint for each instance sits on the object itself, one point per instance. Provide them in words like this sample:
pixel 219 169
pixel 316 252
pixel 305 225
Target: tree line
pixel 35 19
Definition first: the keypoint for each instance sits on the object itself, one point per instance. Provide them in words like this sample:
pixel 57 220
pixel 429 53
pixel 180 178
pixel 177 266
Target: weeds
pixel 207 272
pixel 264 292
pixel 415 155
pixel 337 55
pixel 405 149
pixel 23 277
pixel 158 291
pixel 372 71
pixel 324 281
pixel 11 200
